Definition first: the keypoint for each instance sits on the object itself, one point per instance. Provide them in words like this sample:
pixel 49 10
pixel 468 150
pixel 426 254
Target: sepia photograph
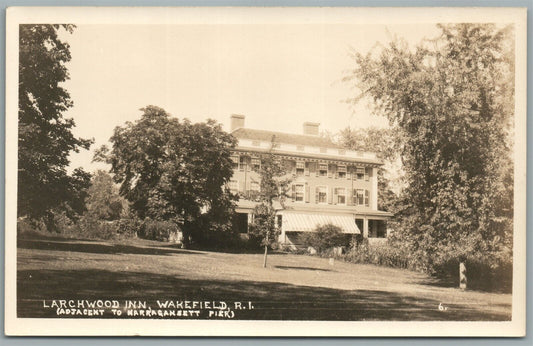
pixel 233 171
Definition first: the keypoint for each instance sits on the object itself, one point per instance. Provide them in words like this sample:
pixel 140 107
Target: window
pixel 235 161
pixel 360 173
pixel 242 163
pixel 256 164
pixel 300 168
pixel 341 195
pixel 321 194
pixel 234 186
pixel 341 171
pixel 254 186
pixel 359 197
pixel 323 169
pixel 359 223
pixel 298 193
pixel 368 173
pixel 377 229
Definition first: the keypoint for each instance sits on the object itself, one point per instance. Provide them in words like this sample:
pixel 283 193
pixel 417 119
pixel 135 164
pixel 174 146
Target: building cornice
pixel 325 158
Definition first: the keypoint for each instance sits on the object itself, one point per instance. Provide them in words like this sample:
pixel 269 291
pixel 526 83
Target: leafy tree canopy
pixel 452 100
pixel 103 200
pixel 45 136
pixel 169 169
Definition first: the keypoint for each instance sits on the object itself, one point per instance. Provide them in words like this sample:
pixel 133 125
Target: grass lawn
pixel 292 287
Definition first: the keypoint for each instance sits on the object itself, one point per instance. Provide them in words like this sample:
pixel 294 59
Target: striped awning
pixel 296 222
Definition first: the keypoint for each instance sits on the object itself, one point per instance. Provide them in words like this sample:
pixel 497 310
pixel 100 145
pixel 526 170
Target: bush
pixel 128 227
pixel 157 229
pixel 382 254
pixel 324 237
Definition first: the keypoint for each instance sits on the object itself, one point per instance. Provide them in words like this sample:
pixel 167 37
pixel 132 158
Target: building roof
pixel 281 137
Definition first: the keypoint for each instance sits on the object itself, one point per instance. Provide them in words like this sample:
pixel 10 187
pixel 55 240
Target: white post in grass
pixel 462 276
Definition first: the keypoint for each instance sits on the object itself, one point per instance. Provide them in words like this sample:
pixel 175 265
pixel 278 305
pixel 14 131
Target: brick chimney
pixel 311 128
pixel 237 120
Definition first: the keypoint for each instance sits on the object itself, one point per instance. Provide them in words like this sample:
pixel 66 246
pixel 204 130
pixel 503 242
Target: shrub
pixel 128 227
pixel 379 254
pixel 157 229
pixel 324 237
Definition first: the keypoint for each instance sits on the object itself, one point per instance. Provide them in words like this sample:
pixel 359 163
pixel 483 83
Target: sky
pixel 277 75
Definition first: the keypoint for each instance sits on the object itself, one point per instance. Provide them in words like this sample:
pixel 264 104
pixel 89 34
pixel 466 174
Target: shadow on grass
pixel 271 301
pixel 97 248
pixel 303 268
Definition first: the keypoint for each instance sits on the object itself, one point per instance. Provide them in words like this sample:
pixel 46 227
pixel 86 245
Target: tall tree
pixel 274 187
pixel 45 135
pixel 452 99
pixel 171 170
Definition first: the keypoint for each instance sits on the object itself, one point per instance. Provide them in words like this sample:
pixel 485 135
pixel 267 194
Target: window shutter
pixel 349 197
pixel 293 187
pixel 367 195
pixel 334 169
pixel 316 194
pixel 348 173
pixel 330 171
pixel 307 193
pixel 367 173
pixel 306 168
pixel 330 195
pixel 335 196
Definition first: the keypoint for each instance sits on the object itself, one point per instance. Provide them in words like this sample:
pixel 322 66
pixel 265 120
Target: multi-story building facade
pixel 330 184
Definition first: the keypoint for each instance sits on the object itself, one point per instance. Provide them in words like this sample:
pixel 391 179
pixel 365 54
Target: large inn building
pixel 330 184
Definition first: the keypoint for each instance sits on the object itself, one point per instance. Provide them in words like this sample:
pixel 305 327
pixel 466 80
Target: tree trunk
pixel 265 258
